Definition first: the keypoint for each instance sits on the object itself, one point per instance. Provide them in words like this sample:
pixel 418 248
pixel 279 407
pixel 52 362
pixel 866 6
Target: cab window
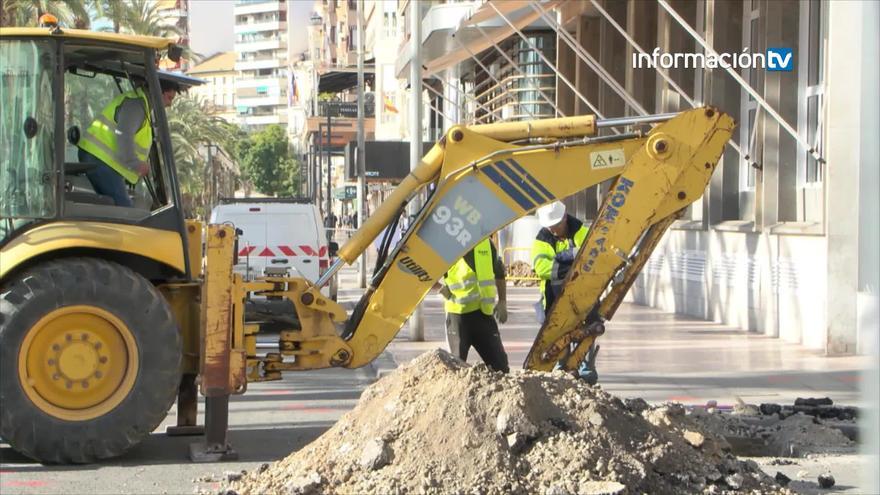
pixel 27 132
pixel 93 81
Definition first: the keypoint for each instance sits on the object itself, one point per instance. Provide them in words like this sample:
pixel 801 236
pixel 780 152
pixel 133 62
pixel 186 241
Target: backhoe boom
pixel 481 182
pixel 656 176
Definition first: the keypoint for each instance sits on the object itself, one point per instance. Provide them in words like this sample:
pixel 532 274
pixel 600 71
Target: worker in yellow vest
pixel 553 253
pixel 476 294
pixel 118 142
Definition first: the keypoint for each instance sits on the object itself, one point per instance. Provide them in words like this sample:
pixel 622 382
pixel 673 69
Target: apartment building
pixel 261 38
pixel 384 36
pixel 218 92
pixel 784 241
pixel 330 106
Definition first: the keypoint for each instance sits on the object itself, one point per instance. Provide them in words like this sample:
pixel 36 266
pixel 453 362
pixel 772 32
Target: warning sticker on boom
pixel 607 158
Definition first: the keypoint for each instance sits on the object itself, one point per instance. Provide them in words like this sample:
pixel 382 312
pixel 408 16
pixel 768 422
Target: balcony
pixel 260 26
pixel 343 130
pixel 262 119
pixel 260 101
pixel 253 46
pixel 259 6
pixel 268 63
pixel 257 82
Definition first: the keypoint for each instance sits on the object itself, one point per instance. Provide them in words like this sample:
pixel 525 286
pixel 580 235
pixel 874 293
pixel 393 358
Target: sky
pixel 211 25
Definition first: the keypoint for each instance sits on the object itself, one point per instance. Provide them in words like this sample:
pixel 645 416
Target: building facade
pixel 784 240
pixel 328 70
pixel 218 92
pixel 261 39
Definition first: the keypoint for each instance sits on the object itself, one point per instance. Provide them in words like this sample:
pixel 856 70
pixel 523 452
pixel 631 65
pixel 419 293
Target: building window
pixel 389 12
pixel 812 79
pixel 811 94
pixel 748 138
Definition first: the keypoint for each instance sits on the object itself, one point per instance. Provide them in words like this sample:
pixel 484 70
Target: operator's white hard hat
pixel 550 215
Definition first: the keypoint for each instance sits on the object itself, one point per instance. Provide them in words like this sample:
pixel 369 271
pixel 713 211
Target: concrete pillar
pixel 721 90
pixel 612 46
pixel 869 178
pixel 587 82
pixel 779 149
pixel 868 296
pixel 641 24
pixel 565 62
pixel 849 149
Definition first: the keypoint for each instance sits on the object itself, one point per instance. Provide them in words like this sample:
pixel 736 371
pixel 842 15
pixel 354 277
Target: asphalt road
pixel 269 422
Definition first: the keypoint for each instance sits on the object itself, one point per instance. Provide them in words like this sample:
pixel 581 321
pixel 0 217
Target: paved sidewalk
pixel 661 356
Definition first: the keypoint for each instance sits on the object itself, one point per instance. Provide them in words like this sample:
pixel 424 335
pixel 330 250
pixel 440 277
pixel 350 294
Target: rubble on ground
pixel 798 435
pixel 438 425
pixel 519 269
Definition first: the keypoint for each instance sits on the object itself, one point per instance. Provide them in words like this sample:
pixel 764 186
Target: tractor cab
pixel 91 355
pixel 55 84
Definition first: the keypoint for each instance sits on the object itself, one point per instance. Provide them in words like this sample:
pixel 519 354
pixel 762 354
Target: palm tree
pixel 191 127
pixel 144 17
pixel 73 13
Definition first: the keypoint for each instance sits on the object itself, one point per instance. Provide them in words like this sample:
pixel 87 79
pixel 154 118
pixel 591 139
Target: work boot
pixel 587 368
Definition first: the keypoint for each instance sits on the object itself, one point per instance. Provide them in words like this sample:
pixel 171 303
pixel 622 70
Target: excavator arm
pixel 481 180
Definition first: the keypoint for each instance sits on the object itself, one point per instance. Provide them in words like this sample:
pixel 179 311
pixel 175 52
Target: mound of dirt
pixel 438 425
pixel 519 269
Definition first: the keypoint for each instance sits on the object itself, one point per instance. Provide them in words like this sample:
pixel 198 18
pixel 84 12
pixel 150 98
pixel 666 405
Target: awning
pixel 446 27
pixel 345 78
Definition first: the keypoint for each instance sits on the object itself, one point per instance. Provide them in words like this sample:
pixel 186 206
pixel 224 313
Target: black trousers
pixel 480 331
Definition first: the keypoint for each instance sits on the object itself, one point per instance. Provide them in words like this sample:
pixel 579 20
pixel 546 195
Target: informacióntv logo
pixel 780 59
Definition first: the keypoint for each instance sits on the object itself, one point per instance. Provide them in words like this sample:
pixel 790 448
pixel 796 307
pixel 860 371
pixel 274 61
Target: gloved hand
pixel 501 312
pixel 565 257
pixel 445 292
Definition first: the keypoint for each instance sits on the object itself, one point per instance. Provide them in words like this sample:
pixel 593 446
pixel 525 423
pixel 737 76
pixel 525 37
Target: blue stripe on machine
pixel 531 179
pixel 521 182
pixel 507 187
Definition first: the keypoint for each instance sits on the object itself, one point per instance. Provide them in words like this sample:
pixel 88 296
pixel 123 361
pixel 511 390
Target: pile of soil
pixel 439 425
pixel 522 269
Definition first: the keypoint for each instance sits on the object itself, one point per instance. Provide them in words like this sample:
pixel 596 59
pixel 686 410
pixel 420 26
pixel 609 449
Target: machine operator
pixel 118 141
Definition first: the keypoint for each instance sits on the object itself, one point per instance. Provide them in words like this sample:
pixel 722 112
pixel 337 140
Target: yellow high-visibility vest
pixel 101 138
pixel 544 251
pixel 472 289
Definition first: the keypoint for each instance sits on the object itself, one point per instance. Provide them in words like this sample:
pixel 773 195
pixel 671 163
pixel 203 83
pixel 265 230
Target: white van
pixel 279 237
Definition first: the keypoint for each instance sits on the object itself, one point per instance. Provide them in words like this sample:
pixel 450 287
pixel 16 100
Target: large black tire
pixel 63 285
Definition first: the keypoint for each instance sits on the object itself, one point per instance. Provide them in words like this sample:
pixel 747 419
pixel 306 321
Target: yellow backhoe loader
pixel 108 313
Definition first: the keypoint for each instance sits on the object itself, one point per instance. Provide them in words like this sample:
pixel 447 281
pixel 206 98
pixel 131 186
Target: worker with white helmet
pixel 553 254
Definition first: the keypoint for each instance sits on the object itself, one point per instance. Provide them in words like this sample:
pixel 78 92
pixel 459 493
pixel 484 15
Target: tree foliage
pixel 192 129
pixel 74 13
pixel 266 159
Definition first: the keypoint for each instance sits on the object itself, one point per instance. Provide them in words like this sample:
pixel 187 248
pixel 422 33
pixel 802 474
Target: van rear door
pixel 251 244
pixel 291 236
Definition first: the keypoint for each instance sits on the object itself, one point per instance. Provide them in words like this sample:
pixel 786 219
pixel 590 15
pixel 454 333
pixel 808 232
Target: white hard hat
pixel 550 215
